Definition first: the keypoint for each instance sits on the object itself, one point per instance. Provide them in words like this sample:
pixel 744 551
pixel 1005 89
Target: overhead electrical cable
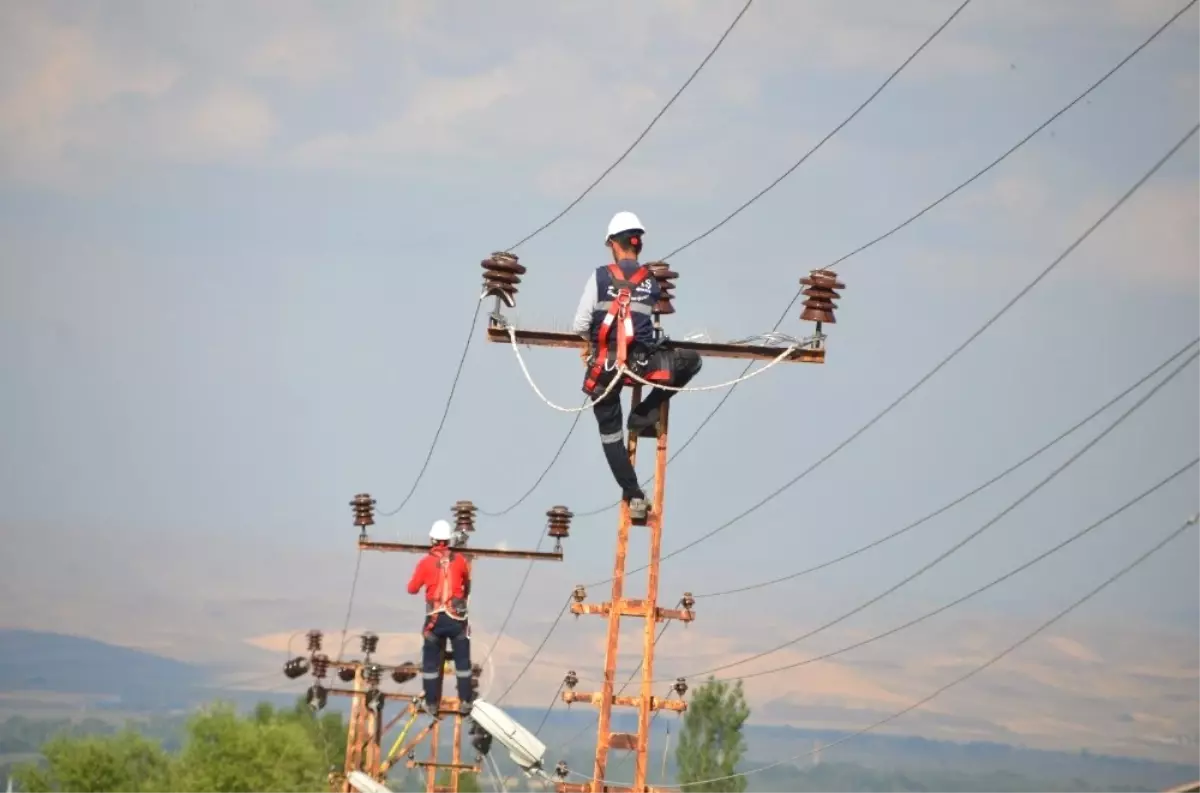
pixel 937 368
pixel 974 491
pixel 904 224
pixel 641 136
pixel 1189 523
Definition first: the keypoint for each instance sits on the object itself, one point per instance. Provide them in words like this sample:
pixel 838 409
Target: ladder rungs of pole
pixel 453 766
pixel 585 787
pixel 597 698
pixel 633 608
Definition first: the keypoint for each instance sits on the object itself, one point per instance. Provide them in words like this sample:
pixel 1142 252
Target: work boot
pixel 639 509
pixel 464 708
pixel 424 707
pixel 643 424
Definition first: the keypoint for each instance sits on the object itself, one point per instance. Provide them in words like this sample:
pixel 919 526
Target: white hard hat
pixel 624 221
pixel 440 531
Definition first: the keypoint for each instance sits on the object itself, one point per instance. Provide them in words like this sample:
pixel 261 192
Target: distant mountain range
pixel 110 677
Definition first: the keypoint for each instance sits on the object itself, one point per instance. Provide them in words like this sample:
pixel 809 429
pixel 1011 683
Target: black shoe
pixel 432 711
pixel 643 425
pixel 464 708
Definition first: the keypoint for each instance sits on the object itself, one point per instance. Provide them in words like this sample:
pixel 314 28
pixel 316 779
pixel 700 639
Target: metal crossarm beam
pixel 485 553
pixel 597 698
pixel 554 338
pixel 634 608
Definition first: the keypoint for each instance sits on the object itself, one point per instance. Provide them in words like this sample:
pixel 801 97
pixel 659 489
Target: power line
pixel 536 652
pixel 994 582
pixel 445 412
pixel 904 224
pixel 557 453
pixel 976 670
pixel 825 139
pixel 954 354
pixel 1024 291
pixel 920 521
pixel 640 137
pixel 998 517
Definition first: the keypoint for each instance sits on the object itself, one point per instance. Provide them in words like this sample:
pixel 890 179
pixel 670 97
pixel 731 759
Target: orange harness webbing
pixel 618 312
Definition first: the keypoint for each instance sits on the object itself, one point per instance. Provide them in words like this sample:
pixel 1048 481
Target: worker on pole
pixel 446 578
pixel 616 316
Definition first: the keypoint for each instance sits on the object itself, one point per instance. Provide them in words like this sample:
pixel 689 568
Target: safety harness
pixel 438 598
pixel 617 311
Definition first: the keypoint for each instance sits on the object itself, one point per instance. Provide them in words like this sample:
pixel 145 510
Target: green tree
pixel 710 741
pixel 267 751
pixel 125 762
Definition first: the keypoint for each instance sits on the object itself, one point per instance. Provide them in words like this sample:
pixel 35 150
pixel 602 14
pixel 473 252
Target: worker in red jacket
pixel 446 577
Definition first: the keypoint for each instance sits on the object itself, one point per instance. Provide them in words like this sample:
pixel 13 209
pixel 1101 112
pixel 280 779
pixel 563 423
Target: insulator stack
pixel 558 522
pixel 476 670
pixel 295 667
pixel 666 285
pixel 346 673
pixel 374 674
pixel 680 687
pixel 562 770
pixel 375 699
pixel 464 515
pixel 820 294
pixel 314 641
pixel 320 666
pixel 501 274
pixel 688 601
pixel 364 511
pixel 580 594
pixel 370 643
pixel 404 672
pixel 571 680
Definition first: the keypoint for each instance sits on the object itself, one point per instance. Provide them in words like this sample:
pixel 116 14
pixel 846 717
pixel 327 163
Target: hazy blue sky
pixel 240 252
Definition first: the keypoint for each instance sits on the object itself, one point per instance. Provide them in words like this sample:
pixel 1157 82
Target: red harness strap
pixel 618 311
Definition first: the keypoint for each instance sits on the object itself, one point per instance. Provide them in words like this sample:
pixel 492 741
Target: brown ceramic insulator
pixel 464 515
pixel 496 278
pixel 405 672
pixel 821 294
pixel 314 641
pixel 504 262
pixel 571 679
pixel 476 670
pixel 664 307
pixel 558 521
pixel 580 594
pixel 680 687
pixel 364 509
pixel 346 673
pixel 369 642
pixel 320 666
pixel 374 674
pixel 687 601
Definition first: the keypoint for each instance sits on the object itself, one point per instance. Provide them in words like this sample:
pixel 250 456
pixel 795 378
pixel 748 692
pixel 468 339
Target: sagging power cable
pixel 937 368
pixel 604 174
pixel 969 494
pixel 1189 523
pixel 905 223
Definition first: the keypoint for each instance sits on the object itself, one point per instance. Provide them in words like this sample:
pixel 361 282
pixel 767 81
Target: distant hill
pixel 136 681
pixel 36 661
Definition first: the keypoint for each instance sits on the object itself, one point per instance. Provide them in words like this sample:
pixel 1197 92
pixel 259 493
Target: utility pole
pixel 366 726
pixel 558 526
pixel 502 273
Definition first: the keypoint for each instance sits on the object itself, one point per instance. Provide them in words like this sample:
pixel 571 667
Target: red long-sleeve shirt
pixel 426 575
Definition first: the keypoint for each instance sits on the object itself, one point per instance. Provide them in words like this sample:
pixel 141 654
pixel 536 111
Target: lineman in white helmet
pixel 446 577
pixel 615 315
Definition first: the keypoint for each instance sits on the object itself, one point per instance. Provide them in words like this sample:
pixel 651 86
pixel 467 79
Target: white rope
pixel 624 370
pixel 512 335
pixel 728 384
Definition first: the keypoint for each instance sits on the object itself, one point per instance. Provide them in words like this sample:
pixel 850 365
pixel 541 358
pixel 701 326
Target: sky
pixel 240 258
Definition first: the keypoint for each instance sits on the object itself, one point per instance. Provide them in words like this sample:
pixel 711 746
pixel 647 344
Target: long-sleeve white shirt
pixel 582 324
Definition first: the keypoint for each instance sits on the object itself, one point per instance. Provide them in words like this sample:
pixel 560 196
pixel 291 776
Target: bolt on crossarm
pixel 501 274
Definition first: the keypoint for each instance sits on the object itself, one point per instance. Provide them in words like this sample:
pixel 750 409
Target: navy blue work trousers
pixel 437 631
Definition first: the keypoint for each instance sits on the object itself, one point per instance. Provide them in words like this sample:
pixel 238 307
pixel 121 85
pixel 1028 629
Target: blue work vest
pixel 642 299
